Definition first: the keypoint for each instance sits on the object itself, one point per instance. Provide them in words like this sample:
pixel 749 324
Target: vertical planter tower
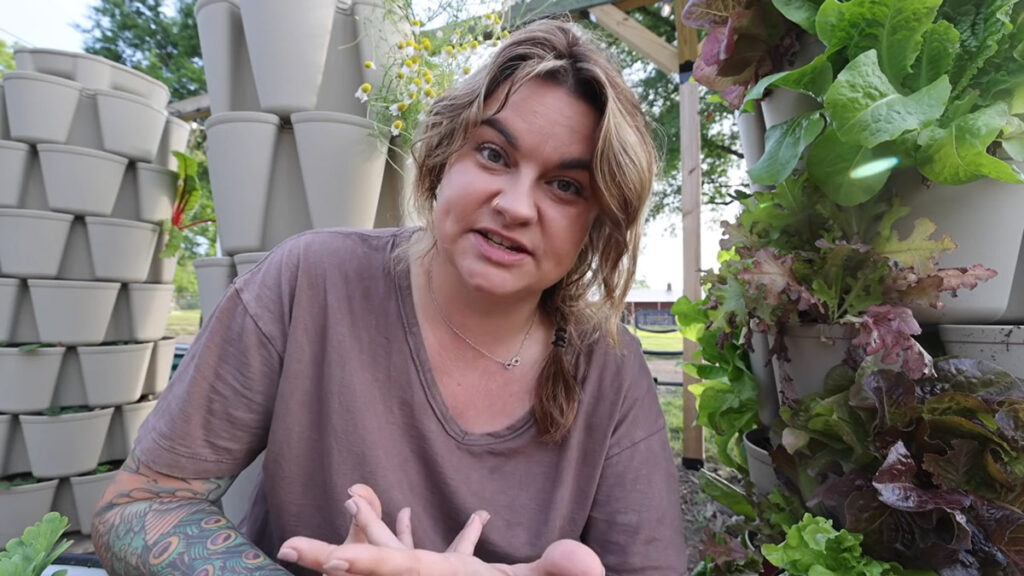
pixel 86 177
pixel 289 145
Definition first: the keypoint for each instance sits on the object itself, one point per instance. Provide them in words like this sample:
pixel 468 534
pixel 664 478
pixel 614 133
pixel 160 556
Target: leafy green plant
pixel 36 549
pixel 933 84
pixel 814 548
pixel 19 480
pixel 186 201
pixel 746 40
pixel 930 470
pixel 66 410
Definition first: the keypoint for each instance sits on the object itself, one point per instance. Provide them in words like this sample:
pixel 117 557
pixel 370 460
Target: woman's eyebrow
pixel 567 164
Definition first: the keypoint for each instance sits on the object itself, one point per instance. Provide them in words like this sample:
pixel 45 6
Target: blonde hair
pixel 589 300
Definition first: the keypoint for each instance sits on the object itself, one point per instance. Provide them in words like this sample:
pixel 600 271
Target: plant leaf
pixel 708 13
pixel 935 60
pixel 803 12
pixel 772 277
pixel 813 79
pixel 867 109
pixel 830 163
pixel 726 494
pixel 894 482
pixel 894 28
pixel 784 144
pixel 957 154
pixel 982 25
pixel 918 250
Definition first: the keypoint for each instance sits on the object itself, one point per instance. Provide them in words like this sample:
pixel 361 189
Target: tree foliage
pixel 6 58
pixel 160 38
pixel 659 94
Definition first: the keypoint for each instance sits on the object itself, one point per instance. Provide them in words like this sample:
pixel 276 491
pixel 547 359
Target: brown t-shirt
pixel 316 356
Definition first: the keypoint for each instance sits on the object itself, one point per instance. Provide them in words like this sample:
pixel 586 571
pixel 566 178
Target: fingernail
pixel 287 555
pixel 339 565
pixel 350 505
pixel 484 517
pixel 351 491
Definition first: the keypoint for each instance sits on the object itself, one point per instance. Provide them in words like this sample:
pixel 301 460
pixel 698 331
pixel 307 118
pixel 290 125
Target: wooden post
pixel 689 156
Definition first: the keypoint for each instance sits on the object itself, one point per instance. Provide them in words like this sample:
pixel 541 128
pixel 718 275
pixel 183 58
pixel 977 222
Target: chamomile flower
pixel 369 65
pixel 396 127
pixel 363 94
pixel 416 26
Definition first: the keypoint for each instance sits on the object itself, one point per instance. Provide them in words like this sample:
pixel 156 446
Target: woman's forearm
pixel 168 530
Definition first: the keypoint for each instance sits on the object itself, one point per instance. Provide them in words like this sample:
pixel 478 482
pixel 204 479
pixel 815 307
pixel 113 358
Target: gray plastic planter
pixel 40 108
pixel 335 148
pixel 814 349
pixel 11 291
pixel 124 427
pixel 92 72
pixel 343 71
pixel 29 379
pixel 1001 345
pixel 161 270
pixel 150 305
pixel 32 242
pixel 15 159
pixel 4 133
pixel 79 180
pixel 247 261
pixel 174 139
pixel 229 79
pixel 71 312
pixel 85 128
pixel 77 261
pixel 23 506
pixel 160 364
pixel 213 275
pixel 759 461
pixel 122 250
pixel 88 490
pixel 63 446
pixel 130 126
pixel 114 375
pixel 156 187
pixel 288 44
pixel 7 422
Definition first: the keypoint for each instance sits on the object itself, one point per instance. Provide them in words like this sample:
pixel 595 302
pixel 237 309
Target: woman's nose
pixel 516 200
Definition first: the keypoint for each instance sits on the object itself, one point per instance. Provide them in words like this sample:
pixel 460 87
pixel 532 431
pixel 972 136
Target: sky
pixel 49 24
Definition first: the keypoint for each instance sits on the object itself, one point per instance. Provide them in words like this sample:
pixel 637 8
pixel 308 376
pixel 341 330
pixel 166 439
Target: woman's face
pixel 516 203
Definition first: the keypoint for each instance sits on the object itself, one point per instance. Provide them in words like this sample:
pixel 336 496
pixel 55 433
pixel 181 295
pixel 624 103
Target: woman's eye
pixel 492 154
pixel 568 187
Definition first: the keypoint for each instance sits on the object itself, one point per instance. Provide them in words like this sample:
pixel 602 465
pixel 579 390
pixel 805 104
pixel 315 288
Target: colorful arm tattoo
pixel 164 528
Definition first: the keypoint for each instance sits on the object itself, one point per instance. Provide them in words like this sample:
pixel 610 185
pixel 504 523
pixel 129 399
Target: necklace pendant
pixel 512 362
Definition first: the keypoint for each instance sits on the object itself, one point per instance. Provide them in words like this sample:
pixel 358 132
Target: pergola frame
pixel 676 61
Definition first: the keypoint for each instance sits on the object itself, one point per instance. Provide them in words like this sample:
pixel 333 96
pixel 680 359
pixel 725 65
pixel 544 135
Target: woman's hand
pixel 371 549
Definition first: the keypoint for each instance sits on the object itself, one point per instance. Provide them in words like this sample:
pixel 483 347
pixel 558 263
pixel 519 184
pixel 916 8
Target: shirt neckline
pixel 418 351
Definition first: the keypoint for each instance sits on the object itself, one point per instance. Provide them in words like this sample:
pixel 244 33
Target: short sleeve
pixel 635 523
pixel 214 417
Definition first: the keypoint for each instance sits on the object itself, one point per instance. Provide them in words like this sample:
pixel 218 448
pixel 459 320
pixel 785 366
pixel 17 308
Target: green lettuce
pixel 36 549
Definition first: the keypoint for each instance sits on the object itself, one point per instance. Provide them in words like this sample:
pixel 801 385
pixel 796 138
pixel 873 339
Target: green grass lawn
pixel 183 322
pixel 668 342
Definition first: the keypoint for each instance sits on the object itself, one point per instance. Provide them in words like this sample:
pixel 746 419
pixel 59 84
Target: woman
pixel 472 365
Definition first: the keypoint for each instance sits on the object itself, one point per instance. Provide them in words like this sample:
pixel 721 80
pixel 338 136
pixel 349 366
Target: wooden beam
pixel 627 5
pixel 689 146
pixel 190 108
pixel 637 37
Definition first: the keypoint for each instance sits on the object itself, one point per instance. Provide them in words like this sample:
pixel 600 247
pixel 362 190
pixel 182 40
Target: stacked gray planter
pixel 85 181
pixel 288 143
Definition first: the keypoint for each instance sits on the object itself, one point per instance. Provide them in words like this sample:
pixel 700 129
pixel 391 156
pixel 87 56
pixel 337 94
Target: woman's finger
pixel 403 527
pixel 355 534
pixel 466 541
pixel 376 531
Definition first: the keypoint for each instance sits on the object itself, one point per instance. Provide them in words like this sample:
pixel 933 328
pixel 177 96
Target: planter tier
pixel 150 306
pixel 213 275
pixel 247 261
pixel 5 134
pixel 89 304
pixel 88 491
pixel 113 375
pixel 23 506
pixel 983 218
pixel 81 181
pixel 130 126
pixel 759 461
pixel 64 446
pixel 7 423
pixel 229 80
pixel 11 292
pixel 288 44
pixel 240 147
pixel 122 250
pixel 156 187
pixel 339 148
pixel 160 364
pixel 1000 345
pixel 32 242
pixel 174 139
pixel 40 108
pixel 29 379
pixel 813 349
pixel 124 428
pixel 15 160
pixel 379 29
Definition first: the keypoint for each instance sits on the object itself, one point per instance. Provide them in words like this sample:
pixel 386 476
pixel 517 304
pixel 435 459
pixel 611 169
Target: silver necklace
pixel 508 364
